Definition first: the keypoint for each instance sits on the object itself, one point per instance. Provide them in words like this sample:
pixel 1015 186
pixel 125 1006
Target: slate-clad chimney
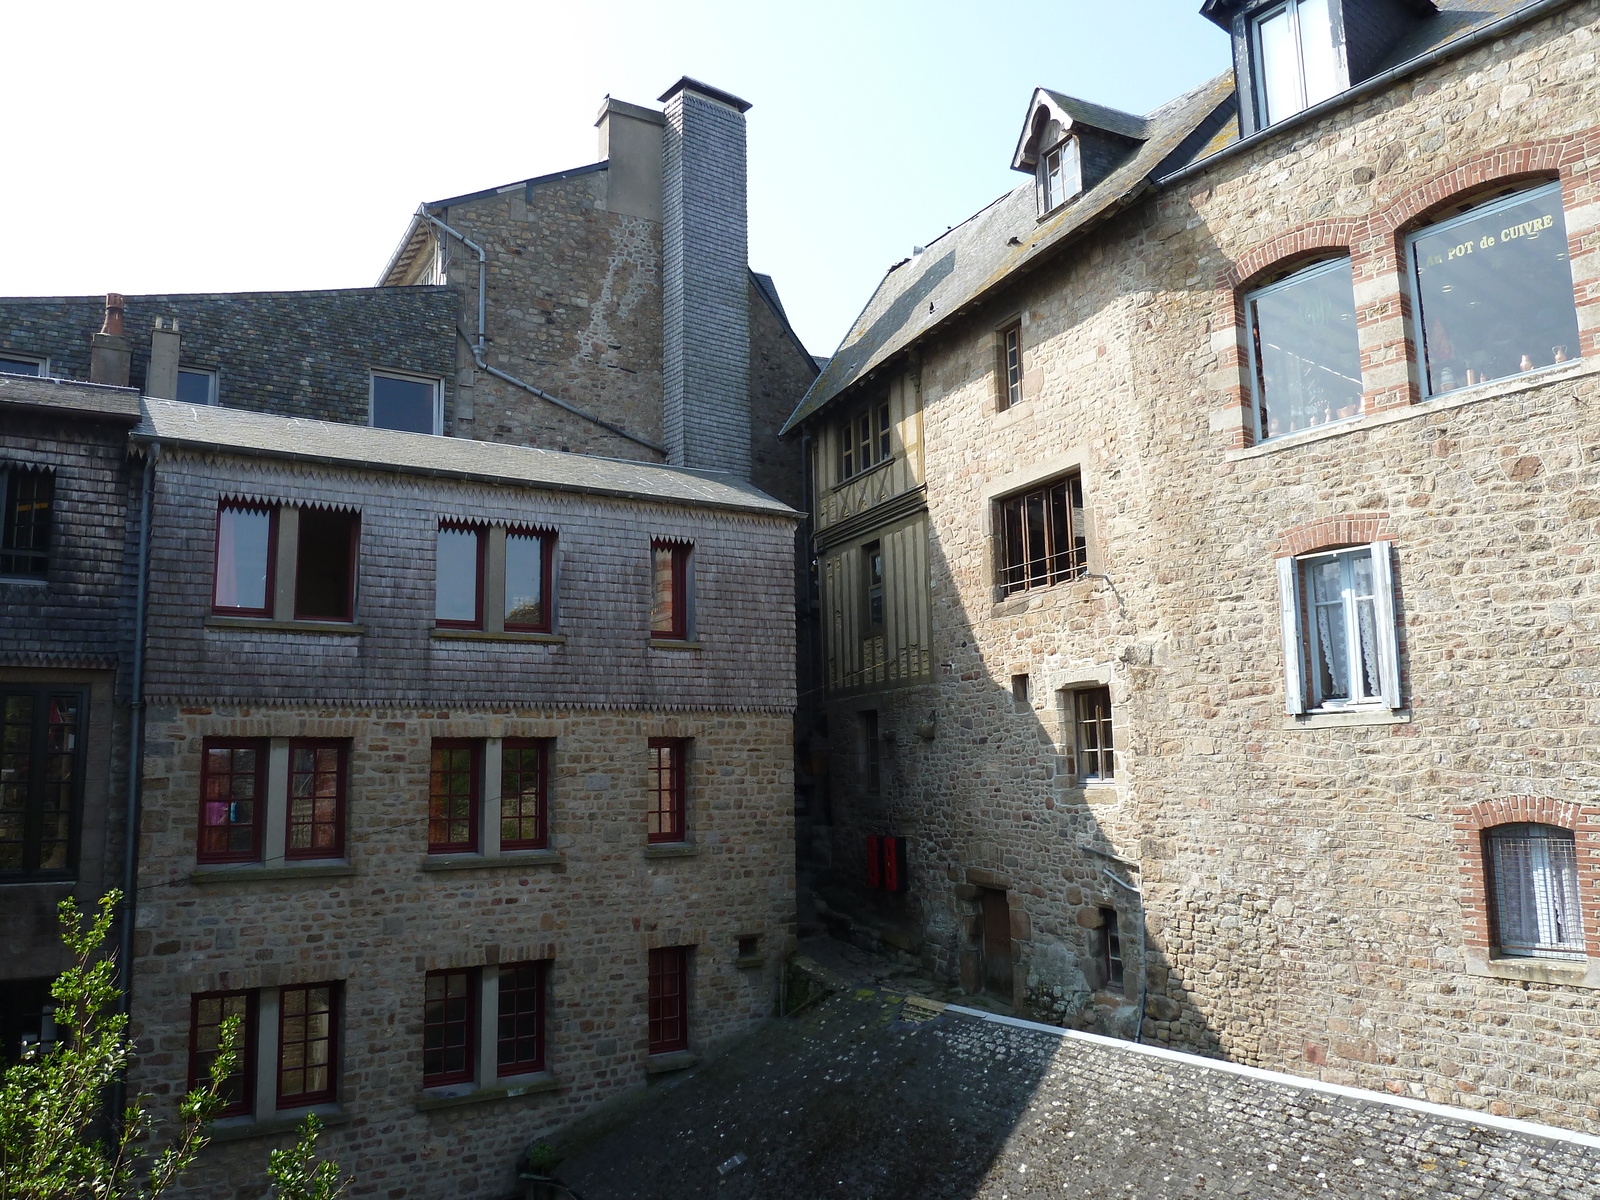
pixel 705 344
pixel 110 351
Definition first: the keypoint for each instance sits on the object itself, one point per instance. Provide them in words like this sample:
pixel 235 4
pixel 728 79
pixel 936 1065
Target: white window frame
pixel 410 377
pixel 1068 173
pixel 1264 118
pixel 1298 679
pixel 211 380
pixel 42 363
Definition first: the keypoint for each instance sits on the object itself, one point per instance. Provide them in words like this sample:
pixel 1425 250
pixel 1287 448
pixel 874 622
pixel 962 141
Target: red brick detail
pixel 1550 159
pixel 1330 533
pixel 1314 237
pixel 1472 820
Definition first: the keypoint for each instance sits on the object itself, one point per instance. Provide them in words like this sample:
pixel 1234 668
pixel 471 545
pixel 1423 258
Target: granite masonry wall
pixel 1310 886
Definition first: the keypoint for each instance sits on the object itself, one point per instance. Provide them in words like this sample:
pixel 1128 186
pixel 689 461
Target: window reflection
pixel 1306 364
pixel 1494 291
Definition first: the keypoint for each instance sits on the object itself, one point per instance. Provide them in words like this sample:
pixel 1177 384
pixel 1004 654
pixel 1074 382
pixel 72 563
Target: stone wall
pixel 1306 891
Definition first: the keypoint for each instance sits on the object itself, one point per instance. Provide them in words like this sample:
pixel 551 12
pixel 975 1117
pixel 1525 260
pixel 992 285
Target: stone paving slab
pixel 870 1096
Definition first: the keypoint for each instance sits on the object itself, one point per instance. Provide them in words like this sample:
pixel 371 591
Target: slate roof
pixel 236 431
pixel 960 268
pixel 1099 116
pixel 91 400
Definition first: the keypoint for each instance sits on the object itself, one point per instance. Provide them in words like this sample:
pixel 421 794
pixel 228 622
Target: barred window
pixel 864 439
pixel 1533 885
pixel 29 498
pixel 1042 536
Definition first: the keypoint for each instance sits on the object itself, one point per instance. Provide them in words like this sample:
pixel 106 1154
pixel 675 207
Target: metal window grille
pixel 1534 884
pixel 669 1000
pixel 316 800
pixel 25 523
pixel 1096 746
pixel 453 797
pixel 206 1015
pixel 666 817
pixel 232 795
pixel 306 1045
pixel 447 1027
pixel 1042 537
pixel 523 775
pixel 520 1038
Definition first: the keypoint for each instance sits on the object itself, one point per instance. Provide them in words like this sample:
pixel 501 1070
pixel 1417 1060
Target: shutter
pixel 1388 635
pixel 1294 687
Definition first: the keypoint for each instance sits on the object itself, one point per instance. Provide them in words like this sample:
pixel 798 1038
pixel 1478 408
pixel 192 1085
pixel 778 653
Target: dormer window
pixel 1060 175
pixel 1297 64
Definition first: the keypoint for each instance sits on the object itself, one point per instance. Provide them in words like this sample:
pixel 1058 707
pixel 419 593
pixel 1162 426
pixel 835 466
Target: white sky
pixel 221 146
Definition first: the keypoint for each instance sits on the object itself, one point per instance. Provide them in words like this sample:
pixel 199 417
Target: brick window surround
pixel 1376 246
pixel 1472 822
pixel 1333 533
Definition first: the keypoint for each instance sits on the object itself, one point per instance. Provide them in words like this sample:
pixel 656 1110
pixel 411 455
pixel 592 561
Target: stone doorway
pixel 995 943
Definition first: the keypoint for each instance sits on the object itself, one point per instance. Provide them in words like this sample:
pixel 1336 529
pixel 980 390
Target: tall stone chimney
pixel 705 301
pixel 110 352
pixel 161 376
pixel 630 142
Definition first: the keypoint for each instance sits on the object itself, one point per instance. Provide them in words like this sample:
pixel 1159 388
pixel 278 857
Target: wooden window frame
pixel 668 966
pixel 13 530
pixel 1059 565
pixel 874 617
pixel 263 748
pixel 1296 627
pixel 348 612
pixel 324 1095
pixel 270 591
pixel 341 748
pixel 1092 711
pixel 865 438
pixel 1008 377
pixel 507 1062
pixel 199 1075
pixel 679 567
pixel 480 536
pixel 475 748
pixel 469 1024
pixel 1112 963
pixel 547 565
pixel 33 841
pixel 675 806
pixel 540 838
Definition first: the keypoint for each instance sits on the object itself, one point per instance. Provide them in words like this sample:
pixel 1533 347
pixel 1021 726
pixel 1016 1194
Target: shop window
pixel 1296 60
pixel 668 815
pixel 1305 363
pixel 1494 293
pixel 669 591
pixel 1042 536
pixel 1340 644
pixel 669 1000
pixel 41 780
pixel 1533 884
pixel 26 522
pixel 410 403
pixel 1095 744
pixel 864 439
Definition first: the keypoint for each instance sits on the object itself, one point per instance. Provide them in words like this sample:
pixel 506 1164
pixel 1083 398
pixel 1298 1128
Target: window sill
pixel 510 860
pixel 750 962
pixel 524 1085
pixel 346 628
pixel 1334 718
pixel 499 635
pixel 250 873
pixel 672 850
pixel 1018 603
pixel 61 881
pixel 1493 390
pixel 24 581
pixel 248 1127
pixel 676 1060
pixel 675 644
pixel 1563 972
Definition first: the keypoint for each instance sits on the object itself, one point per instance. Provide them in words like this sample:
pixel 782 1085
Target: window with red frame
pixel 233 776
pixel 449 1047
pixel 458 577
pixel 529 561
pixel 520 1041
pixel 667 821
pixel 669 595
pixel 317 780
pixel 669 1000
pixel 325 565
pixel 307 1044
pixel 246 550
pixel 206 1015
pixel 524 783
pixel 453 796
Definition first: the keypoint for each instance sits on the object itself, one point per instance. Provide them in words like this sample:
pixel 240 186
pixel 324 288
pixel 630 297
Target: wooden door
pixel 996 944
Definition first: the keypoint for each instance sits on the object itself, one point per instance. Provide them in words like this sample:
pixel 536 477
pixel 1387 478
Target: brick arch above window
pixel 1529 162
pixel 1287 251
pixel 1531 810
pixel 1334 532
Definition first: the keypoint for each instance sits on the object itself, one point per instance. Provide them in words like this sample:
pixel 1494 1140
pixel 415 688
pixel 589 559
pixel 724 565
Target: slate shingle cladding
pixel 301 354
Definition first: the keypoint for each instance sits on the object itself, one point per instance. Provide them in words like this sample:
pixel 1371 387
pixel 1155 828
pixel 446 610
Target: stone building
pixel 1206 532
pixel 467 784
pixel 65 685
